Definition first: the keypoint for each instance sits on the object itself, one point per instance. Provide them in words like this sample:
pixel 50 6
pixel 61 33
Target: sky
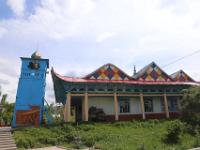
pixel 78 36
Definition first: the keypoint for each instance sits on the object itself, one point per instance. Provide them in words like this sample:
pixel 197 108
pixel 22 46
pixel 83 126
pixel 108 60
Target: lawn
pixel 136 135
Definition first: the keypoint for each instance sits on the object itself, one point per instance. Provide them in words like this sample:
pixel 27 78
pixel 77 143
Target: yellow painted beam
pixel 142 106
pixel 86 107
pixel 116 107
pixel 166 105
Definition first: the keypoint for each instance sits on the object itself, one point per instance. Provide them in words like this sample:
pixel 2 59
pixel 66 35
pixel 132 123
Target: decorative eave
pixel 82 80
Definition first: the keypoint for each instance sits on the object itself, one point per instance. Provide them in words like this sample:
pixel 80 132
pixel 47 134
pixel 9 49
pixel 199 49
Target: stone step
pixel 6 139
pixel 9 148
pixel 7 142
pixel 5 134
pixel 7 145
pixel 3 129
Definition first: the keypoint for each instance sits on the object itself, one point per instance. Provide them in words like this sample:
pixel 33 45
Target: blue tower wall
pixel 31 86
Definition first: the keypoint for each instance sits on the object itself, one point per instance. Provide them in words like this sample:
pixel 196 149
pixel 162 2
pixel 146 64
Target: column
pixel 116 107
pixel 68 107
pixel 65 111
pixel 83 108
pixel 142 105
pixel 86 107
pixel 166 105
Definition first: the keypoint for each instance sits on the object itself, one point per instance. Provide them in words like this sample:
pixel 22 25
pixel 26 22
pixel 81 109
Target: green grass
pixel 137 135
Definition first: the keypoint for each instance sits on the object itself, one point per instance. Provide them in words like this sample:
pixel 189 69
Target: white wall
pixel 157 104
pixel 135 106
pixel 106 103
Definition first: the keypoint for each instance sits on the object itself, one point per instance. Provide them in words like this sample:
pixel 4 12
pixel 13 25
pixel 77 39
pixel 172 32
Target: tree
pixel 6 110
pixel 190 105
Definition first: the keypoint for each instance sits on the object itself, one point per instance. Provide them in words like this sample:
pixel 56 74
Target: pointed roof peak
pixel 181 76
pixel 36 55
pixel 152 72
pixel 108 72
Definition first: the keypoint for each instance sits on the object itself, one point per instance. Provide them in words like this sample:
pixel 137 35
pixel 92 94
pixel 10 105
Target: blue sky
pixel 78 36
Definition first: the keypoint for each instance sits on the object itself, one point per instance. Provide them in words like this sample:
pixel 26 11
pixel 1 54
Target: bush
pixel 25 142
pixel 190 105
pixel 141 147
pixel 174 129
pixel 96 114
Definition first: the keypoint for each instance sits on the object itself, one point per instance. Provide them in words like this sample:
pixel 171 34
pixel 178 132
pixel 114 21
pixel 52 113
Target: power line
pixel 181 58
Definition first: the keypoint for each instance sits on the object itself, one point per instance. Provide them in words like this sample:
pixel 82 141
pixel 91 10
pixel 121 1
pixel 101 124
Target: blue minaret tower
pixel 29 105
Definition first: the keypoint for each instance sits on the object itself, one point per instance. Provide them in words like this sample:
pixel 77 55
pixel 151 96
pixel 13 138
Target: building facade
pixel 149 94
pixel 29 105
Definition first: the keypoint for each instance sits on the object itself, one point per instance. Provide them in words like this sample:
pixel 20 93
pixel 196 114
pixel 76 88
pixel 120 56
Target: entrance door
pixel 76 110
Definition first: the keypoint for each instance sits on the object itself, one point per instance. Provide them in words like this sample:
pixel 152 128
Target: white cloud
pixel 85 34
pixel 9 77
pixel 104 36
pixel 2 32
pixel 17 6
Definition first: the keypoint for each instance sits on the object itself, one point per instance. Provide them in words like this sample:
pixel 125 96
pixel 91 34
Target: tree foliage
pixel 174 129
pixel 6 110
pixel 190 105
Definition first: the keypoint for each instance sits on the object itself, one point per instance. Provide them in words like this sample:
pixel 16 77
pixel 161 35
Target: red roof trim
pixel 80 80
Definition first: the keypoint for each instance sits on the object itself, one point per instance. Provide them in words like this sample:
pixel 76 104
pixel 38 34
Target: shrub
pixel 141 147
pixel 25 142
pixel 174 129
pixel 123 124
pixel 96 114
pixel 190 105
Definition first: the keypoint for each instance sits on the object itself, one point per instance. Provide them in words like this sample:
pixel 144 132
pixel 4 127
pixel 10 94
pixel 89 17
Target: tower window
pixel 33 65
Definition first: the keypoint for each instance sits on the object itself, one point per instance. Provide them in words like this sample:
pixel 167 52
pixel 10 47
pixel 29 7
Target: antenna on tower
pixel 37 46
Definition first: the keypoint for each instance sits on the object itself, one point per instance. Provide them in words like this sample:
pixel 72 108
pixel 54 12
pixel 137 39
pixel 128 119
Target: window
pixel 144 90
pixel 124 106
pixel 136 90
pixel 172 104
pixel 33 65
pixel 148 104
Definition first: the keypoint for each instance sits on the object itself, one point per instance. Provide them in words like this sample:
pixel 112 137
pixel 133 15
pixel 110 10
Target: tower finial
pixel 36 55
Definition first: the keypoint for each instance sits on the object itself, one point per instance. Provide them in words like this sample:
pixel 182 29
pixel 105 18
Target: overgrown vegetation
pixel 96 114
pixel 6 110
pixel 190 105
pixel 173 134
pixel 136 135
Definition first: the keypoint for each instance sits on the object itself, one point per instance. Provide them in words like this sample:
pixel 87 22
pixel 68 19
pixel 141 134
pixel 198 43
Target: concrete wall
pixel 157 105
pixel 135 107
pixel 106 103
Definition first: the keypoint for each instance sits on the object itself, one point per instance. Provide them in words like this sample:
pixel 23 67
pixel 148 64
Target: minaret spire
pixel 134 71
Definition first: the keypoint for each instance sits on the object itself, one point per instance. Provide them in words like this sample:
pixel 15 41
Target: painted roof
pixel 181 76
pixel 108 72
pixel 136 82
pixel 152 72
